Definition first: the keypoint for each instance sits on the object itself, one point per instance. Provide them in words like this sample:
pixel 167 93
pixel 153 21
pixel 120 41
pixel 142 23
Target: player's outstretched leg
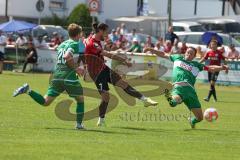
pixel 198 117
pixel 134 93
pixel 44 101
pixel 173 101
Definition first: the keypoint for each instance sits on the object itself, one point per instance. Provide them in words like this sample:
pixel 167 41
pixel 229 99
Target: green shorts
pixel 73 88
pixel 188 95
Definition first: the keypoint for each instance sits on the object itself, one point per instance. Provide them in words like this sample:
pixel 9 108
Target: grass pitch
pixel 29 131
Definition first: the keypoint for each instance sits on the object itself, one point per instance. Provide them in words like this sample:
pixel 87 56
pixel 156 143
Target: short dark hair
pixel 74 30
pixel 99 27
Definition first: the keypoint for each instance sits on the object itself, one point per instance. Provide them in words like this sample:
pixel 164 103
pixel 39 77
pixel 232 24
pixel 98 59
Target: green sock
pixel 194 120
pixel 173 103
pixel 80 112
pixel 37 97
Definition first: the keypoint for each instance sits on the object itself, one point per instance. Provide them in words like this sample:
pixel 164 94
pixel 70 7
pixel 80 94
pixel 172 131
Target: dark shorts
pixel 212 76
pixel 106 76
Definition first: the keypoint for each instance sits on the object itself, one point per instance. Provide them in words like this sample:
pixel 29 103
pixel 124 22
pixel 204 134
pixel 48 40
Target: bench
pixel 8 65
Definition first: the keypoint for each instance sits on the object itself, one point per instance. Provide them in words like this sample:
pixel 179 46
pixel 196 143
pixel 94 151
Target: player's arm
pixel 156 52
pixel 68 56
pixel 116 57
pixel 205 57
pixel 215 68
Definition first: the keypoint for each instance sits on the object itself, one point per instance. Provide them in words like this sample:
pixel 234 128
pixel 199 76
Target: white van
pixel 187 26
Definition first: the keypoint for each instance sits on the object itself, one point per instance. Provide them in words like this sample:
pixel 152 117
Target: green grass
pixel 31 132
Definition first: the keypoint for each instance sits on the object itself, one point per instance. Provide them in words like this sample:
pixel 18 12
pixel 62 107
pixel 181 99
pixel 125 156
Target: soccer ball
pixel 210 114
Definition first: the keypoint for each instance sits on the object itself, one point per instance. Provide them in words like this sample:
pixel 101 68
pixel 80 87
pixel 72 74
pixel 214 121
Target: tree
pixel 80 15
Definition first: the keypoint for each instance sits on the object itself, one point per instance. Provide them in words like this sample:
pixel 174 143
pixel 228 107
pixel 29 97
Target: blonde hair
pixel 74 30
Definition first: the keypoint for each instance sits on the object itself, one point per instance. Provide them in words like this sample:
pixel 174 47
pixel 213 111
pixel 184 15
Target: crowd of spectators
pixel 123 40
pixel 119 38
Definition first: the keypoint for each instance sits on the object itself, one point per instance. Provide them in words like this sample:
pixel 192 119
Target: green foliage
pixel 81 16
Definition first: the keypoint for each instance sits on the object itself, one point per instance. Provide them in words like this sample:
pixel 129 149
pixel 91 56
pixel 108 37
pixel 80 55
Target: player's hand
pixel 80 71
pixel 226 68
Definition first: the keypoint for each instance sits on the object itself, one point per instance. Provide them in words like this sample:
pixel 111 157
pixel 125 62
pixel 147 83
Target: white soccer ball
pixel 210 114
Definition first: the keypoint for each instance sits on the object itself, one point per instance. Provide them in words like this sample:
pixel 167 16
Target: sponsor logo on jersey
pixel 194 70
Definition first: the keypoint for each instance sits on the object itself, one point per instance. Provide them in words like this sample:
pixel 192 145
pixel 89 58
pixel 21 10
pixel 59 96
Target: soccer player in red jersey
pixel 216 58
pixel 102 74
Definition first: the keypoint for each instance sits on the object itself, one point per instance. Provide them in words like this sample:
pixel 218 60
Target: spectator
pixel 55 41
pixel 199 53
pixel 41 42
pixel 170 35
pixel 109 45
pixel 136 47
pixel 232 53
pixel 148 43
pixel 3 43
pixel 118 31
pixel 159 46
pixel 31 56
pixel 21 40
pixel 121 39
pixel 122 46
pixel 161 41
pixel 175 49
pixel 10 40
pixel 113 36
pixel 62 39
pixel 132 35
pixel 123 29
pixel 29 39
pixel 183 48
pixel 167 46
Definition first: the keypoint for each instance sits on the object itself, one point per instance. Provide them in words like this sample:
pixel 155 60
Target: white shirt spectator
pixel 161 48
pixel 233 54
pixel 3 41
pixel 41 44
pixel 21 41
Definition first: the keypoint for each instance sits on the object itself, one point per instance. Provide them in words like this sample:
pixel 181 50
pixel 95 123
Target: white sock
pixel 101 119
pixel 143 98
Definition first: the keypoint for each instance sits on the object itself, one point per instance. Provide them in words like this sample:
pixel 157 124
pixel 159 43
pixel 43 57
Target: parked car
pixel 229 26
pixel 194 39
pixel 47 30
pixel 187 26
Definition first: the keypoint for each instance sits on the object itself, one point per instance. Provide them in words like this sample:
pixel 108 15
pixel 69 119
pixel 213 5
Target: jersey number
pixel 60 58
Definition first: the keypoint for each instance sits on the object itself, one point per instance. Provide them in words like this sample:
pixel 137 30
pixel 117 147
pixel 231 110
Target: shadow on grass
pixel 214 130
pixel 238 102
pixel 143 129
pixel 90 130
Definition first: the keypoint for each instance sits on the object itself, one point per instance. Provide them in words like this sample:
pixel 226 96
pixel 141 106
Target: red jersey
pixel 93 58
pixel 215 57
